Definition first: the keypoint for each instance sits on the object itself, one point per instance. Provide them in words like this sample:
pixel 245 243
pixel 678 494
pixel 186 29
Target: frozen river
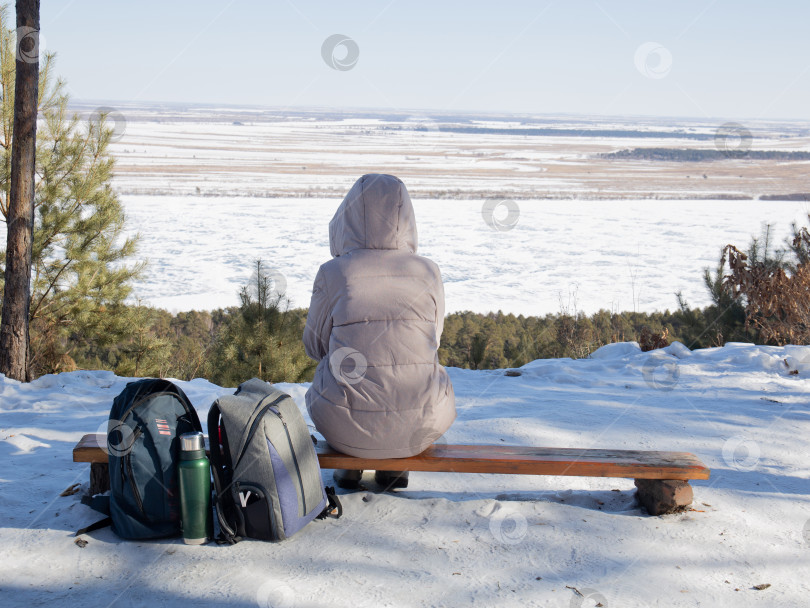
pixel 619 255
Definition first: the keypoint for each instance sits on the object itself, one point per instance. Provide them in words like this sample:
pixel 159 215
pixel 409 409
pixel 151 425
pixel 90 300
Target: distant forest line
pixel 208 344
pixel 691 155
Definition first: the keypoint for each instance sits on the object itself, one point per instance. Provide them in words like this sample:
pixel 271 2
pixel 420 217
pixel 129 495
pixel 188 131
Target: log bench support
pixel 662 496
pixel 662 478
pixel 99 478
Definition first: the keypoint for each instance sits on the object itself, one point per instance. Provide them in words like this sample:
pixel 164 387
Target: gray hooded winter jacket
pixel 374 325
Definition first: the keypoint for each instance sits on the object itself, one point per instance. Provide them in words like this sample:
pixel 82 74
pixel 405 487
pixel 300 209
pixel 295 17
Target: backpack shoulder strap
pixel 195 420
pixel 102 523
pixel 334 508
pixel 102 505
pixel 218 462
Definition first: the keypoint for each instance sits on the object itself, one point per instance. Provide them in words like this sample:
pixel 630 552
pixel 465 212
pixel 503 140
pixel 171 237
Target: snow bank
pixel 453 539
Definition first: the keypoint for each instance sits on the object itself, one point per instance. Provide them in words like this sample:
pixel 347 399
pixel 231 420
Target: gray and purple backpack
pixel 266 474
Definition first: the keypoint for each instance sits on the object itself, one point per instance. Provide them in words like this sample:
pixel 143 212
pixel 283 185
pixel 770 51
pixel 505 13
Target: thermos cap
pixel 190 442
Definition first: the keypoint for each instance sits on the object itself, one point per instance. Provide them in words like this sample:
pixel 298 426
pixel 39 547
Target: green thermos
pixel 195 490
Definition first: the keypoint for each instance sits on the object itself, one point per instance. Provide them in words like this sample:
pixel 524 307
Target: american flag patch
pixel 162 427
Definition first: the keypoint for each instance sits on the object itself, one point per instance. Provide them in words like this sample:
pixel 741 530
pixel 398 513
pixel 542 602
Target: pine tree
pixel 14 325
pixel 262 338
pixel 799 245
pixel 79 277
pixel 478 349
pixel 147 352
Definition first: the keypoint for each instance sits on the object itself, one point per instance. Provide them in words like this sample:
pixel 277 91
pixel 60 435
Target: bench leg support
pixel 662 496
pixel 99 478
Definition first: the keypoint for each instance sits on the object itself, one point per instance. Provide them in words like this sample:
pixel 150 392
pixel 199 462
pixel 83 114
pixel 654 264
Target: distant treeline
pixel 229 345
pixel 695 155
pixel 225 346
pixel 793 196
pixel 497 340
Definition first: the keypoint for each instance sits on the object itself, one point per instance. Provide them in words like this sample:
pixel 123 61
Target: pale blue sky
pixel 720 59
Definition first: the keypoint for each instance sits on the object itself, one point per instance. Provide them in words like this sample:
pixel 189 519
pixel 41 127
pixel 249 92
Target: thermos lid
pixel 192 441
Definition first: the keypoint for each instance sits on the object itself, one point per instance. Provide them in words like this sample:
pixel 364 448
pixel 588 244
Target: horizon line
pixel 416 112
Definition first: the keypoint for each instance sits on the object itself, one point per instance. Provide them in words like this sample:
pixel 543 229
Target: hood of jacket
pixel 377 213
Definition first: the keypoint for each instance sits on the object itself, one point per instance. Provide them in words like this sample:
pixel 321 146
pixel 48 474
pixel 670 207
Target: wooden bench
pixel 662 478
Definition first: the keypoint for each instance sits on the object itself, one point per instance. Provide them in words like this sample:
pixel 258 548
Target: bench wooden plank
pixel 89 449
pixel 504 459
pixel 520 460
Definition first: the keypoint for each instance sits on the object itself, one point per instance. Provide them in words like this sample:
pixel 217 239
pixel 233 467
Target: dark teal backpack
pixel 143 447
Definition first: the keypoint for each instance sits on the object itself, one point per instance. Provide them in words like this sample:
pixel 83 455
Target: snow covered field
pixel 457 540
pixel 284 153
pixel 211 189
pixel 619 255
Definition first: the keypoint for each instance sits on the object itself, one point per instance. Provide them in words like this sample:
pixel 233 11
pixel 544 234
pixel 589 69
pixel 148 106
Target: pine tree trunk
pixel 17 292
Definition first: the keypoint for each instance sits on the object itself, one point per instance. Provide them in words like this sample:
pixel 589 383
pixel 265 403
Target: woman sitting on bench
pixel 374 326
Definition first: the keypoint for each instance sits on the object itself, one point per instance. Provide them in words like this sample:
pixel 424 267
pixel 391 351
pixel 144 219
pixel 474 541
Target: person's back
pixel 374 325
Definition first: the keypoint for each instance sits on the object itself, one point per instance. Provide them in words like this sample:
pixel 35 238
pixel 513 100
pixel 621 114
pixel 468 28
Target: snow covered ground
pixel 619 255
pixel 455 540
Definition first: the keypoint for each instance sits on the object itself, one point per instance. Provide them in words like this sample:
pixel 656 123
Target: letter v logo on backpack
pixel 243 498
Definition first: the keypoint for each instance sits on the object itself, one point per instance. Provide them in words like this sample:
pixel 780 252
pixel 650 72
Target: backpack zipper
pixel 131 474
pixel 255 425
pixel 295 459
